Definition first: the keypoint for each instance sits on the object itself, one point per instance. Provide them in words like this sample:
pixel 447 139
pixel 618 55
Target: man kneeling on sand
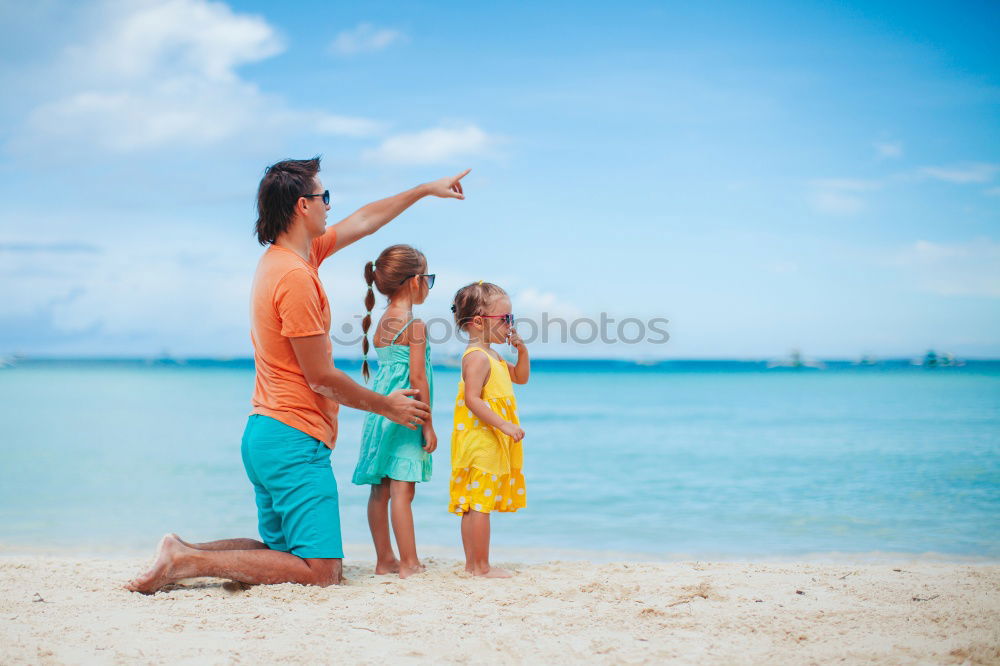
pixel 293 426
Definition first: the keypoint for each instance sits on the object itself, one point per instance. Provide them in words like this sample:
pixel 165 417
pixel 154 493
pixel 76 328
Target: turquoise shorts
pixel 297 508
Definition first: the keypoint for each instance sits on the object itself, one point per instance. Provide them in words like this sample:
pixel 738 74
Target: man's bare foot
pixel 492 572
pixel 391 567
pixel 165 569
pixel 182 541
pixel 405 571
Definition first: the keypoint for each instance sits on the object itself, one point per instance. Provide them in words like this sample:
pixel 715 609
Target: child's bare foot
pixel 492 572
pixel 165 569
pixel 407 570
pixel 388 567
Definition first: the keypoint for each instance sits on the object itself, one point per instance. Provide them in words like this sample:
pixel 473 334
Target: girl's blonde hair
pixel 472 300
pixel 387 273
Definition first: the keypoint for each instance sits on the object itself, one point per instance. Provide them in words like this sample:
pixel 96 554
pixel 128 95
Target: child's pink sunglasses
pixel 507 318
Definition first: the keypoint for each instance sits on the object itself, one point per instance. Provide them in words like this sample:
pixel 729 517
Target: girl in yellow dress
pixel 486 456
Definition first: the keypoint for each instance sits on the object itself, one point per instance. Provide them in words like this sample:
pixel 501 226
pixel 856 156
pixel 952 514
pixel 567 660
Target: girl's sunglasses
pixel 507 318
pixel 429 276
pixel 325 194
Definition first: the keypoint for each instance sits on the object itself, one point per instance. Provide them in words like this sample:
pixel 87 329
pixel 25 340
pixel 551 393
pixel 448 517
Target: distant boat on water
pixel 934 360
pixel 867 359
pixel 10 361
pixel 166 358
pixel 796 360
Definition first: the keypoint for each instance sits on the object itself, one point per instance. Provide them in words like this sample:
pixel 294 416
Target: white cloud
pixel 432 146
pixel 975 172
pixel 326 123
pixel 533 302
pixel 956 269
pixel 840 196
pixel 161 295
pixel 175 112
pixel 197 37
pixel 158 74
pixel 889 149
pixel 365 38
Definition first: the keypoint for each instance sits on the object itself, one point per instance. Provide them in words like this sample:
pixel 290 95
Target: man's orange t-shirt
pixel 288 301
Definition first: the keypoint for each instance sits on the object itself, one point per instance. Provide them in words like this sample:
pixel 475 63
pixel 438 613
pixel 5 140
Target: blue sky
pixel 764 175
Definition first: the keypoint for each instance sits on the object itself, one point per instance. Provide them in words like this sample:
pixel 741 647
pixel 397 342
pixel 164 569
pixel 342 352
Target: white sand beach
pixel 63 610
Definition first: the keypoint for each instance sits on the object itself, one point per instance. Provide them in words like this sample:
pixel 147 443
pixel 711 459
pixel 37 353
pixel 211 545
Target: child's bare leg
pixel 378 522
pixel 479 538
pixel 467 540
pixel 401 498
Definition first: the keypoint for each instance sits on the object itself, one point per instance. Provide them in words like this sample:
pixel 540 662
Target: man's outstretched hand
pixel 407 411
pixel 448 187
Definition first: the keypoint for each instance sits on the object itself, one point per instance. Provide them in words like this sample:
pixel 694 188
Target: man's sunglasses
pixel 429 276
pixel 325 194
pixel 507 318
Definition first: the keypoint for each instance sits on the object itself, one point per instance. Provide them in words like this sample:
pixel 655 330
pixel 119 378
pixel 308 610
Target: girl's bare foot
pixel 389 567
pixel 492 572
pixel 165 569
pixel 407 570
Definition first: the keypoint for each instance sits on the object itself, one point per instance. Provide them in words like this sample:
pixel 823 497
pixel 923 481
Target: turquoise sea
pixel 726 460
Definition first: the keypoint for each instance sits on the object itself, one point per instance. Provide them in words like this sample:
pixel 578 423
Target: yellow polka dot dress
pixel 485 463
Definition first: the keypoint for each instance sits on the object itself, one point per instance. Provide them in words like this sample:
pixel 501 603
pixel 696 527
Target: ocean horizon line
pixel 167 358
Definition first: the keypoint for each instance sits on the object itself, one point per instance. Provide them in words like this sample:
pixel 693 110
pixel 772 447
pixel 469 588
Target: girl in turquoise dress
pixel 393 457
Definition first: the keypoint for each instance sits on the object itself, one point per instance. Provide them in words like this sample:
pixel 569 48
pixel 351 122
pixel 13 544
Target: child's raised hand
pixel 430 439
pixel 512 430
pixel 515 341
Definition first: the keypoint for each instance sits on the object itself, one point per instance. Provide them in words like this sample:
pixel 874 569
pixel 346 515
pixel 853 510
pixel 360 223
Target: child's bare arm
pixel 519 373
pixel 475 372
pixel 416 338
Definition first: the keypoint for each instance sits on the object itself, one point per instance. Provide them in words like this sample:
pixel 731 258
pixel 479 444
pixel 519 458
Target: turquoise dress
pixel 389 449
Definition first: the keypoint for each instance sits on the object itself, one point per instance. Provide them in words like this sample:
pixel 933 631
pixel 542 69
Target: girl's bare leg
pixel 476 527
pixel 378 522
pixel 401 498
pixel 467 540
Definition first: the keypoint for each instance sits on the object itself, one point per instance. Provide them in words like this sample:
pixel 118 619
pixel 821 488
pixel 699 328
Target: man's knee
pixel 325 572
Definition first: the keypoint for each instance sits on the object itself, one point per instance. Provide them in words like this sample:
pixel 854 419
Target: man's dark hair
pixel 280 188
